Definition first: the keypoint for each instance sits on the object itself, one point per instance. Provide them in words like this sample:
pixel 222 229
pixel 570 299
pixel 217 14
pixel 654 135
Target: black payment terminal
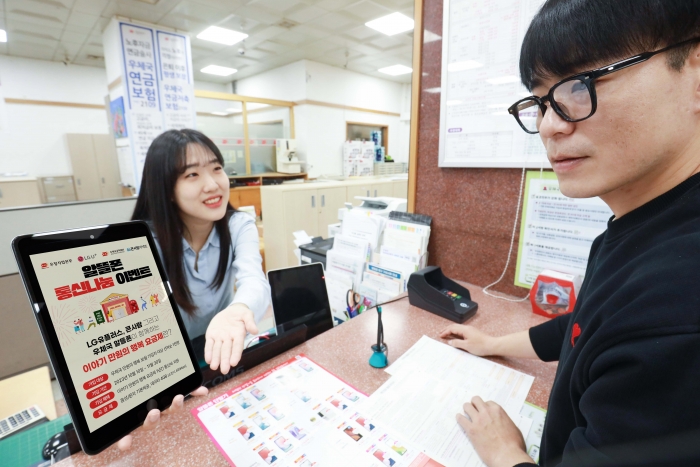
pixel 430 290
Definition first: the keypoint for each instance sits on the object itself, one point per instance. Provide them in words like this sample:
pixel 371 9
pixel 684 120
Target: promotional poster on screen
pixel 115 325
pixel 300 415
pixel 556 232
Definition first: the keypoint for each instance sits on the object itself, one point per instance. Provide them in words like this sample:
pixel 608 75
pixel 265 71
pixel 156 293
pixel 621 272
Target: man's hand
pixel 470 339
pixel 225 335
pixel 153 416
pixel 493 434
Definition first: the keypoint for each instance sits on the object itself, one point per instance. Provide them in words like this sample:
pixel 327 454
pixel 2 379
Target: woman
pixel 206 246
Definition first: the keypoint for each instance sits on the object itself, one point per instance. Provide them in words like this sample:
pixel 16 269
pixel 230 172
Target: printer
pixel 380 206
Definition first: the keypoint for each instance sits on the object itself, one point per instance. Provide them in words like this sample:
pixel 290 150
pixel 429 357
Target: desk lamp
pixel 379 350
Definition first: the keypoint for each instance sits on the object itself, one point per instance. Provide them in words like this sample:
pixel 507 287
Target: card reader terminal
pixel 430 290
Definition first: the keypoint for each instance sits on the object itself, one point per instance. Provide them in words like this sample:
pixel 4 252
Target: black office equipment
pixel 299 296
pixel 316 251
pixel 430 290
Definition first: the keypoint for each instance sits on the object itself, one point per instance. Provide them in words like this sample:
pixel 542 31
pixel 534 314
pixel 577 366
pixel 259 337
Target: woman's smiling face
pixel 202 190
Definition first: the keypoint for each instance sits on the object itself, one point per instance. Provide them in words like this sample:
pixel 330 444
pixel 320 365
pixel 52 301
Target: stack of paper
pixel 358 158
pixel 429 385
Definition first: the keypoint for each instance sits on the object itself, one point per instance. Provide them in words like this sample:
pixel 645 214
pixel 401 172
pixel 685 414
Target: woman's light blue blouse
pixel 245 272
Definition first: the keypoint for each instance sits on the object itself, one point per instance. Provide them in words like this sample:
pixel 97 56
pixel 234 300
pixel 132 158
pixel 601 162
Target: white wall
pixel 287 83
pixel 321 130
pixel 32 140
pixel 32 136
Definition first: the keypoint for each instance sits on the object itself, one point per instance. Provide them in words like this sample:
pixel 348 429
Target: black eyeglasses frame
pixel 588 78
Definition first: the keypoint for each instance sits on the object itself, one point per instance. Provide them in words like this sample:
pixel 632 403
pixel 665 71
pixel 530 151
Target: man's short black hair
pixel 568 36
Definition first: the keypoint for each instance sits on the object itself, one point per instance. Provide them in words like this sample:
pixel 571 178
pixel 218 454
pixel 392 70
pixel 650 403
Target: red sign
pixel 98 391
pixel 95 381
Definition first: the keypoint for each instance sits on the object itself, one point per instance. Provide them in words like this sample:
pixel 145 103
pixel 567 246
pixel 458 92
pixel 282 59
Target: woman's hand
pixel 153 417
pixel 470 339
pixel 225 335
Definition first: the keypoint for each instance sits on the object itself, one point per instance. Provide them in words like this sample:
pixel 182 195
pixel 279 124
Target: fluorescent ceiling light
pixel 3 35
pixel 504 80
pixel 465 65
pixel 392 24
pixel 433 90
pixel 395 70
pixel 221 35
pixel 221 114
pixel 218 70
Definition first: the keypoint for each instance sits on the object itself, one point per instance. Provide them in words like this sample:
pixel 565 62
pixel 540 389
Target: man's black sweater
pixel 629 354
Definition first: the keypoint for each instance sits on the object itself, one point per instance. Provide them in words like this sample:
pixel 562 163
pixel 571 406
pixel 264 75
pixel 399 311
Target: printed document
pixel 430 384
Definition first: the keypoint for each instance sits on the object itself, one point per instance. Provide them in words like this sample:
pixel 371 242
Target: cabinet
pixel 311 207
pixel 246 196
pixel 400 189
pixel 95 167
pixel 16 192
pixel 57 189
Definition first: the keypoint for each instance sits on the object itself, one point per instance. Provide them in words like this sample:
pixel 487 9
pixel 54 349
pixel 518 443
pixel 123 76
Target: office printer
pixel 381 205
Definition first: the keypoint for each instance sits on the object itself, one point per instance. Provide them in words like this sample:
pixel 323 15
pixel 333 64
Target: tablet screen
pixel 115 325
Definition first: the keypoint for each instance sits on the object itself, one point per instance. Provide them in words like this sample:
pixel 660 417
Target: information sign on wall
pixel 481 42
pixel 556 232
pixel 152 70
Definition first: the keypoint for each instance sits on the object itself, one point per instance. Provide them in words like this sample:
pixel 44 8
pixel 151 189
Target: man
pixel 627 389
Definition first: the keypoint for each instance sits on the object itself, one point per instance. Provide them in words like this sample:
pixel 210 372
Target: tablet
pixel 299 296
pixel 112 330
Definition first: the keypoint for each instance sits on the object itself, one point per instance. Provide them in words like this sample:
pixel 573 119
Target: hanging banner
pixel 150 69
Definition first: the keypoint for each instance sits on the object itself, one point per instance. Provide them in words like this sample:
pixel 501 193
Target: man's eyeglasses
pixel 574 98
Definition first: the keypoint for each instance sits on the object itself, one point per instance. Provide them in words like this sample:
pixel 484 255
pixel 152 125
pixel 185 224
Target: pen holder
pixel 380 356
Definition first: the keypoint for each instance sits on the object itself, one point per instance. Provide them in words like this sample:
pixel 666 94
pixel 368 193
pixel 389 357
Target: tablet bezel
pixel 312 332
pixel 26 245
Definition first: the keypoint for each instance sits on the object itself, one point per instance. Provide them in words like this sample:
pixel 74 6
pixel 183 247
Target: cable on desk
pixel 510 250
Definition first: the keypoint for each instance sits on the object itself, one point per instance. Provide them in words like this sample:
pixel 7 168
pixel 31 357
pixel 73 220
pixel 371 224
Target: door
pixel 105 152
pixel 300 213
pixel 85 173
pixel 382 189
pixel 331 199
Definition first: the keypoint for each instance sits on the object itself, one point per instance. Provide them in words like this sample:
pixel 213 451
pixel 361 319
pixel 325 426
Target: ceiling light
pixel 503 80
pixel 218 70
pixel 395 70
pixel 221 35
pixel 394 23
pixel 3 35
pixel 220 114
pixel 465 65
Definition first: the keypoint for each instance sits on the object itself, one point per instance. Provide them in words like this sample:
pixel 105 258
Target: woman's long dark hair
pixel 165 162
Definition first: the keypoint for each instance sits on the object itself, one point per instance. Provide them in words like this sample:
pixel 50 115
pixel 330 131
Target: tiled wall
pixel 473 209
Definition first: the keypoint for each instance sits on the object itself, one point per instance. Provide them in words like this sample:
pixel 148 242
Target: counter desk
pixel 344 351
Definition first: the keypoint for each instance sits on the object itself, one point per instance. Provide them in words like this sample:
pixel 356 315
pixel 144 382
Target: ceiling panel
pixel 322 30
pixel 367 10
pixel 93 7
pixel 304 13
